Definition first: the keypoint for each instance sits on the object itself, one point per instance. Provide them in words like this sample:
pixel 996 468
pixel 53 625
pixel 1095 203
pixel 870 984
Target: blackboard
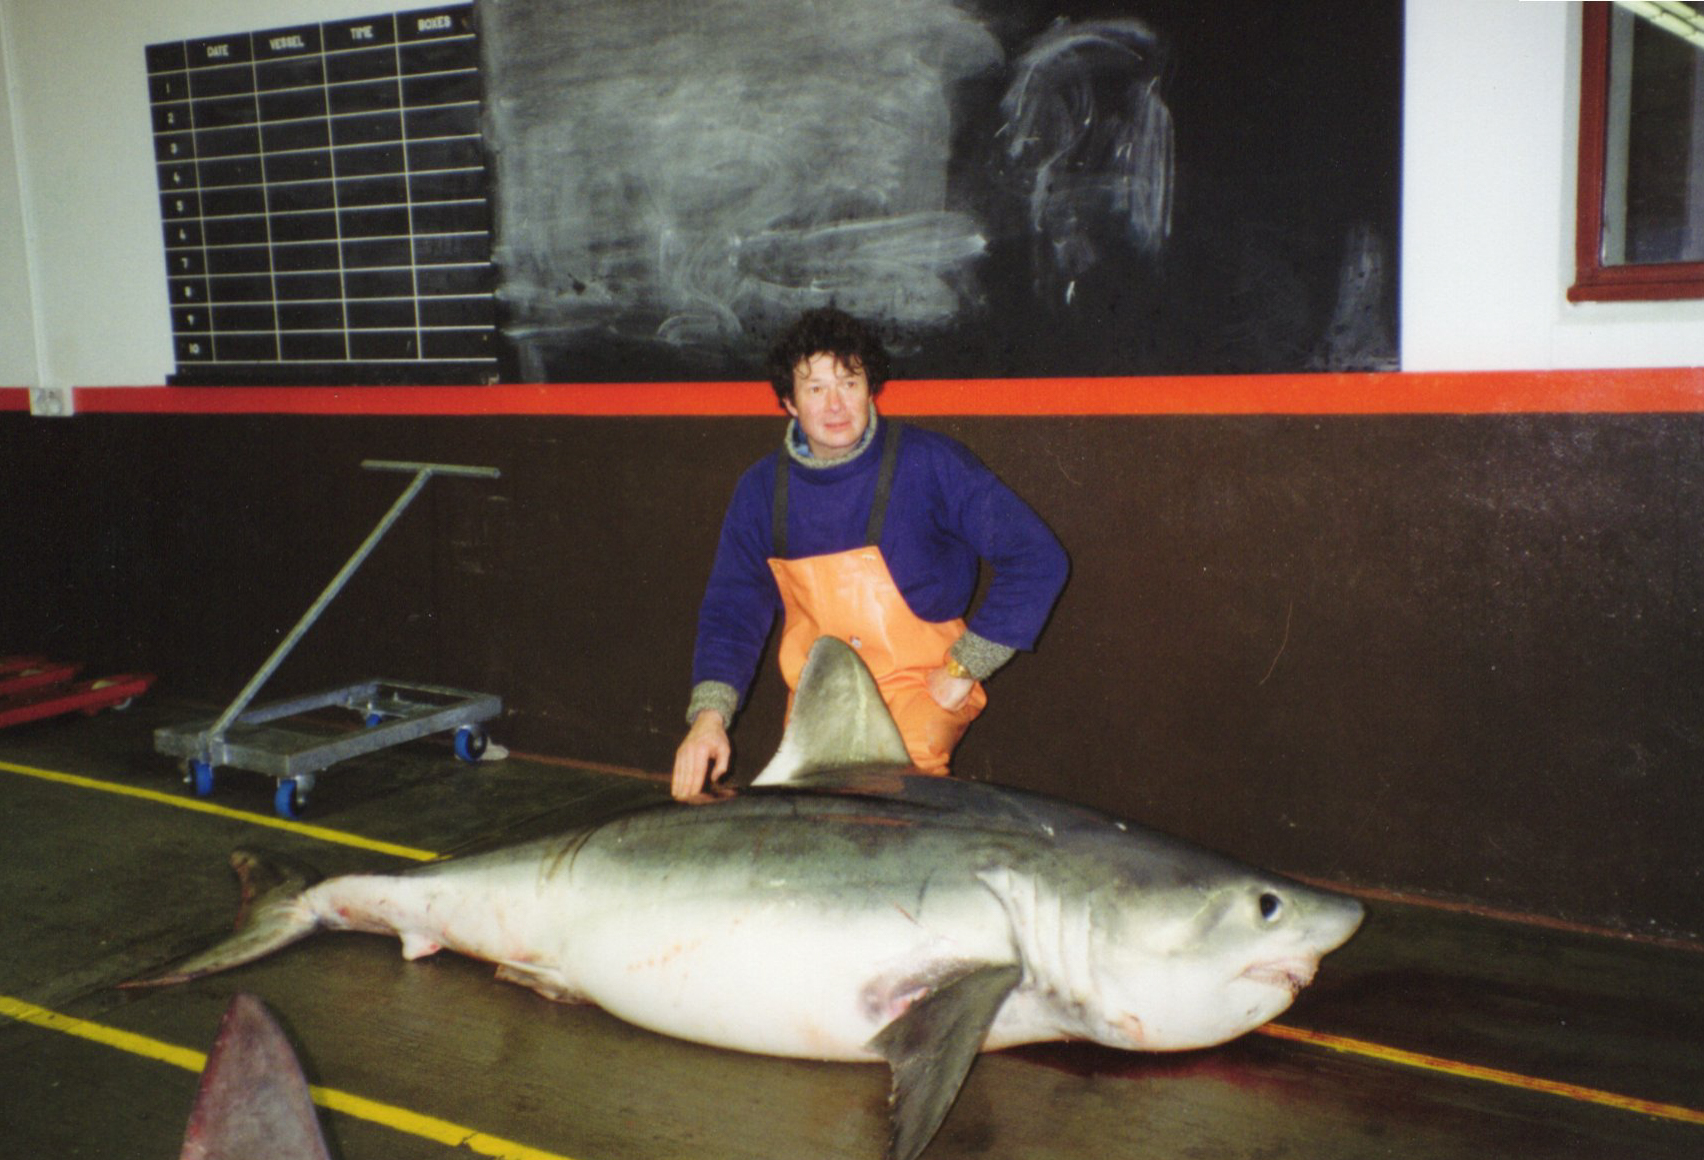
pixel 324 200
pixel 1009 187
pixel 647 190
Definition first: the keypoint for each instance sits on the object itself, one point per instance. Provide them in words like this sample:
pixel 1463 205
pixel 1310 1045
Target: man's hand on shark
pixel 715 791
pixel 706 749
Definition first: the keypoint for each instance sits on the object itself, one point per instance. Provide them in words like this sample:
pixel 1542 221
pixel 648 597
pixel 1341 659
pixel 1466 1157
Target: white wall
pixel 90 202
pixel 1490 122
pixel 1491 109
pixel 18 364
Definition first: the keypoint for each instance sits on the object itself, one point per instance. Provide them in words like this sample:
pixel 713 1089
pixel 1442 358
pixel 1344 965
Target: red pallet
pixel 20 674
pixel 32 688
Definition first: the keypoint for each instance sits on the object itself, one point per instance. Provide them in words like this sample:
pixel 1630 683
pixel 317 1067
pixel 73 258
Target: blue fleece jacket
pixel 946 511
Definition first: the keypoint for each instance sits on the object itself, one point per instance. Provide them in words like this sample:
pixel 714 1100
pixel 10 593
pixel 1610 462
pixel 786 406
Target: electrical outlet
pixel 50 402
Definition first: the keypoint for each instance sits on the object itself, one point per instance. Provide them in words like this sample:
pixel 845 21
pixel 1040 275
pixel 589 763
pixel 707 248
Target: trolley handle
pixel 431 468
pixel 423 473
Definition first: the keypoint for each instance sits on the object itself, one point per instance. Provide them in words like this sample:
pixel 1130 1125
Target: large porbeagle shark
pixel 850 909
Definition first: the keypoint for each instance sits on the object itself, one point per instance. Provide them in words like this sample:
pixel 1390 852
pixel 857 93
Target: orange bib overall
pixel 852 595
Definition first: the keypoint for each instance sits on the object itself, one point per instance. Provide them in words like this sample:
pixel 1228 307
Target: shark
pixel 846 907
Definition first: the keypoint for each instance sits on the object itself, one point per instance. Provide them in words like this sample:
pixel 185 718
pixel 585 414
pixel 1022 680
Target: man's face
pixel 831 401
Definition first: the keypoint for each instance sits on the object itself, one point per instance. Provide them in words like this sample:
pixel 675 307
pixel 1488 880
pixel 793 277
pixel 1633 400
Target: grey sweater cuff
pixel 723 698
pixel 980 655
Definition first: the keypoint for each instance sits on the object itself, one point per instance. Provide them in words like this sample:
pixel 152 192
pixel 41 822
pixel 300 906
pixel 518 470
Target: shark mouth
pixel 1291 974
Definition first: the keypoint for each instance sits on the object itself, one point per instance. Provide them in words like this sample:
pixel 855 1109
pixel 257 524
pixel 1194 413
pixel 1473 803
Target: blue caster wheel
pixel 199 775
pixel 374 719
pixel 470 742
pixel 290 800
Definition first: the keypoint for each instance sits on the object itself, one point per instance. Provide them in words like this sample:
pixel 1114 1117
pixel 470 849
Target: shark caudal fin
pixel 253 1099
pixel 272 916
pixel 839 720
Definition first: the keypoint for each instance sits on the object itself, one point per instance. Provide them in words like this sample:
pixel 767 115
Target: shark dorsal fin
pixel 838 721
pixel 253 1099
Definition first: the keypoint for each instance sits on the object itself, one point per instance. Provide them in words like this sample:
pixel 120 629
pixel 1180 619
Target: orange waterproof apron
pixel 852 595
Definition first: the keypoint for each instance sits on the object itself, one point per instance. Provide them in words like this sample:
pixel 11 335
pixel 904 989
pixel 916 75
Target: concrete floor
pixel 100 885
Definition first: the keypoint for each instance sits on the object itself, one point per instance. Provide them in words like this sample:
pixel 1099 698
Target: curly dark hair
pixel 827 330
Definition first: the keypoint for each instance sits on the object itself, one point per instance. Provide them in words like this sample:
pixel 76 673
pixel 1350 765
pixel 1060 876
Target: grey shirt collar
pixel 800 450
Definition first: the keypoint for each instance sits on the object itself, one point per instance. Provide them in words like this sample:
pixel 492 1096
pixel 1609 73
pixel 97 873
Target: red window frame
pixel 1594 281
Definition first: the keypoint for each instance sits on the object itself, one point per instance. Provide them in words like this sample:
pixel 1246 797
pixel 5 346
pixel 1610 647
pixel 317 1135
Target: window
pixel 1641 192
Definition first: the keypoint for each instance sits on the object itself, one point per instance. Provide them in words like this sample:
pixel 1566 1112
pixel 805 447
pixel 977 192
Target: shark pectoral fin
pixel 272 916
pixel 931 1047
pixel 839 719
pixel 253 1099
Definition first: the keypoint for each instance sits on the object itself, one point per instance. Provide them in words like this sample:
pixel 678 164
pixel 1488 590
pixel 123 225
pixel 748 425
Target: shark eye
pixel 1271 906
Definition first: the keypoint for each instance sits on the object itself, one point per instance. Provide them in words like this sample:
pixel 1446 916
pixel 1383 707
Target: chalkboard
pixel 323 193
pixel 1008 187
pixel 642 190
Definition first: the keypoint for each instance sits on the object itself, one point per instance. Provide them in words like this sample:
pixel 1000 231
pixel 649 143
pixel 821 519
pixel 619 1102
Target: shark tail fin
pixel 839 720
pixel 272 916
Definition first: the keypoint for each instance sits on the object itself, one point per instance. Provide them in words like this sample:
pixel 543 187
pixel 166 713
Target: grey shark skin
pixel 848 908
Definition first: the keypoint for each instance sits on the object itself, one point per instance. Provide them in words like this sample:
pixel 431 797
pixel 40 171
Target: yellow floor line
pixel 1340 1043
pixel 388 1115
pixel 1513 1079
pixel 182 802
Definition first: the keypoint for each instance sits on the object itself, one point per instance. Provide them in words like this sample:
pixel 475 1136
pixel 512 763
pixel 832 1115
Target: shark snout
pixel 1349 915
pixel 1331 921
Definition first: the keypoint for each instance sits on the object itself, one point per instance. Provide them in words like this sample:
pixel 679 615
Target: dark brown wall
pixel 1453 654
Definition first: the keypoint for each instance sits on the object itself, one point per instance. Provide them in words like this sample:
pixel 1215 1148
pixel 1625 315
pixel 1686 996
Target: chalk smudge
pixel 1088 128
pixel 1358 337
pixel 694 175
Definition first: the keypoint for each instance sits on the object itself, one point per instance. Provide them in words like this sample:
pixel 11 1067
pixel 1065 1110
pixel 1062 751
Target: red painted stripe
pixel 1502 392
pixel 587 400
pixel 1673 389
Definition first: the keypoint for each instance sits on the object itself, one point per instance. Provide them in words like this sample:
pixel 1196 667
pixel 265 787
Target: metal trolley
pixel 392 712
